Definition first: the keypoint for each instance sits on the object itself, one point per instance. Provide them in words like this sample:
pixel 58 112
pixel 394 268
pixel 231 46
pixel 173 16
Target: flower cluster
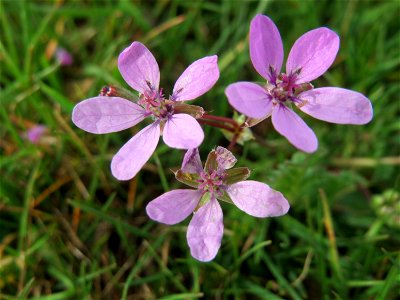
pixel 116 109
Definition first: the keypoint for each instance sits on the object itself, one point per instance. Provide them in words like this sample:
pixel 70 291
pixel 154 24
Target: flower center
pixel 211 182
pixel 283 88
pixel 156 105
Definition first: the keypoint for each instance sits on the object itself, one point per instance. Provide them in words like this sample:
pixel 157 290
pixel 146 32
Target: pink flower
pixel 110 114
pixel 64 57
pixel 311 55
pixel 35 133
pixel 216 181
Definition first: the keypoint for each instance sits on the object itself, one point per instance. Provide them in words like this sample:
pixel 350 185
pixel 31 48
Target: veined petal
pixel 174 206
pixel 191 162
pixel 205 231
pixel 106 114
pixel 225 158
pixel 266 49
pixel 139 68
pixel 291 126
pixel 312 54
pixel 249 98
pixel 337 105
pixel 197 79
pixel 135 153
pixel 182 131
pixel 258 199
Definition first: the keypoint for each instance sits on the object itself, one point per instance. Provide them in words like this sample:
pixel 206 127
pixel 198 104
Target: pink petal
pixel 139 68
pixel 225 158
pixel 192 162
pixel 266 49
pixel 313 53
pixel 291 126
pixel 135 153
pixel 249 98
pixel 174 206
pixel 337 105
pixel 258 199
pixel 197 79
pixel 205 231
pixel 182 131
pixel 106 114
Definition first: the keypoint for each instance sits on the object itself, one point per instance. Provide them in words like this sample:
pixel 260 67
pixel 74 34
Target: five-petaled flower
pixel 180 130
pixel 218 180
pixel 311 55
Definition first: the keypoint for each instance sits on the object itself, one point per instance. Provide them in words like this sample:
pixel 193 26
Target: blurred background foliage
pixel 69 230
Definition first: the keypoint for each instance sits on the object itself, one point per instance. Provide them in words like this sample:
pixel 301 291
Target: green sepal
pixel 303 87
pixel 189 179
pixel 203 201
pixel 236 175
pixel 195 111
pixel 211 163
pixel 225 197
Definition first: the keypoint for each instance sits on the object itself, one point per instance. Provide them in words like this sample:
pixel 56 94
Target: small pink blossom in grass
pixel 64 57
pixel 310 57
pixel 140 70
pixel 35 134
pixel 218 180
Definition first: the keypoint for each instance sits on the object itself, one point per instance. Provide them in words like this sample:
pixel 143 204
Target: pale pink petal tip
pixel 258 199
pixel 312 54
pixel 249 98
pixel 266 48
pixel 106 114
pixel 135 153
pixel 182 131
pixel 174 206
pixel 197 79
pixel 139 68
pixel 205 231
pixel 291 126
pixel 337 105
pixel 191 162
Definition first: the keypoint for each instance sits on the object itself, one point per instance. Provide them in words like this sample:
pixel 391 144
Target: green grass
pixel 69 230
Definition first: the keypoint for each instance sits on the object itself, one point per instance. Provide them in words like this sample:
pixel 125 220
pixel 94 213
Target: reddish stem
pixel 222 122
pixel 215 124
pixel 236 135
pixel 220 119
